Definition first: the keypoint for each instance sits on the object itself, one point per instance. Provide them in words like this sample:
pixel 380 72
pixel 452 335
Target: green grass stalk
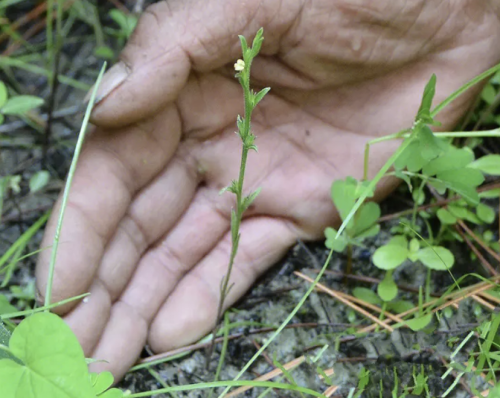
pixel 64 203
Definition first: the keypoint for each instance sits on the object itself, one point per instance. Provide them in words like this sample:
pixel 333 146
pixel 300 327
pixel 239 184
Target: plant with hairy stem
pixel 251 98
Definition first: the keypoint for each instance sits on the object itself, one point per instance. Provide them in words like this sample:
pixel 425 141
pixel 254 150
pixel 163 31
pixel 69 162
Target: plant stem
pixel 71 173
pixel 428 286
pixel 235 228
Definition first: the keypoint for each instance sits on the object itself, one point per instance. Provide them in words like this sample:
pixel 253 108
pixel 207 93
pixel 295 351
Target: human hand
pixel 145 229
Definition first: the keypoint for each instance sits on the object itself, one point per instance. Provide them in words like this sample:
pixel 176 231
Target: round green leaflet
pixel 436 257
pixel 390 256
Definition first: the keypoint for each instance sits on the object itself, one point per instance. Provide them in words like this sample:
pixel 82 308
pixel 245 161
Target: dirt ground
pixel 321 321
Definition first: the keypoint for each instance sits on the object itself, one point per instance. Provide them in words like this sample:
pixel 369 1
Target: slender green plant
pixel 251 99
pixel 67 187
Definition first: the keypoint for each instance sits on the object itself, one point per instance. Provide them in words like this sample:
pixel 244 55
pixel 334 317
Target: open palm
pixel 146 231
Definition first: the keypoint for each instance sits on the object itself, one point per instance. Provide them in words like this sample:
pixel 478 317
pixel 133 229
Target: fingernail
pixel 111 81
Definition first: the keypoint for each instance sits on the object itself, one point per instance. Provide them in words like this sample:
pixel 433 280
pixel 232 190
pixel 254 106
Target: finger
pixel 189 312
pixel 198 231
pixel 172 39
pixel 89 317
pixel 121 342
pixel 113 167
pixel 152 215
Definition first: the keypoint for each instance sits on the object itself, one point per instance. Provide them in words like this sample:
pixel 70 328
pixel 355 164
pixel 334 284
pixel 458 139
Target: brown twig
pixel 347 302
pixel 478 254
pixel 479 242
pixel 367 279
pixel 198 346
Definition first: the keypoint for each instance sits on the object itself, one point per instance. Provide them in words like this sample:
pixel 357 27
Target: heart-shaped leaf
pixel 21 104
pixel 53 363
pixel 334 243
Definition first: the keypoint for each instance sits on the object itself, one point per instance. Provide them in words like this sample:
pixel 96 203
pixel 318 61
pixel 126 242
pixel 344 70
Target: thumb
pixel 173 38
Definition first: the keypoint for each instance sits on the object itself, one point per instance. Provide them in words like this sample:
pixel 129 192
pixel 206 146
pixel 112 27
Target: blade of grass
pixel 79 144
pixel 464 88
pixel 229 384
pixel 40 309
pixel 23 240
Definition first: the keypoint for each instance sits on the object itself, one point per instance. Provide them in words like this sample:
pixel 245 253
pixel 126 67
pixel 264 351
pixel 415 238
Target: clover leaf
pixel 387 288
pixel 489 164
pixel 390 256
pixel 436 257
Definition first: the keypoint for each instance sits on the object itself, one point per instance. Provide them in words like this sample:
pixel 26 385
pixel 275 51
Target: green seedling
pixel 16 105
pixel 251 100
pixel 363 225
pixel 126 23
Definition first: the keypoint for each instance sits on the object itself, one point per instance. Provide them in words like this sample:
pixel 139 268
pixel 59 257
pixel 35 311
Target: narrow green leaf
pixel 21 104
pixel 389 256
pixel 39 180
pixel 261 94
pixel 436 257
pixel 3 94
pixel 257 42
pixel 244 44
pixel 489 164
pixel 424 112
pixel 248 200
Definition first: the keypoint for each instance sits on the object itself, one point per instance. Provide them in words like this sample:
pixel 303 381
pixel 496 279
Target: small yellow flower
pixel 239 65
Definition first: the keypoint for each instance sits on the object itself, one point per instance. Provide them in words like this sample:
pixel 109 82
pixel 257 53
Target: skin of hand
pixel 146 232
